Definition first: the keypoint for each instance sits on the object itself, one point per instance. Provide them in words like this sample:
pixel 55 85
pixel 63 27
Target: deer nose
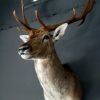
pixel 23 48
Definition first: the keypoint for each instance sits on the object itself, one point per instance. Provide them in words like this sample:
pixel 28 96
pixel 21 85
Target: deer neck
pixel 49 71
pixel 52 77
pixel 50 63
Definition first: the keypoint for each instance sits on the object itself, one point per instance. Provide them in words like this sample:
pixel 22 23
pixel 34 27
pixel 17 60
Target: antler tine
pixel 87 8
pixel 25 20
pixel 39 20
pixel 20 21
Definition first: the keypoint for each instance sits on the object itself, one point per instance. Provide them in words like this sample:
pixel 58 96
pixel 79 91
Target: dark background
pixel 80 47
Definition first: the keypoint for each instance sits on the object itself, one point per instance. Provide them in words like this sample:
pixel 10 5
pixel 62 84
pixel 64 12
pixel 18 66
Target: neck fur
pixel 52 77
pixel 49 71
pixel 51 62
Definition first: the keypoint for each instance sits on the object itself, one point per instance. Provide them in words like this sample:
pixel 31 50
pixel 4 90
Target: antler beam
pixel 24 22
pixel 86 10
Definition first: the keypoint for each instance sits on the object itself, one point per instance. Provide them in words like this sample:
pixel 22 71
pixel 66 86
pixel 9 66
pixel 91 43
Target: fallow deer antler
pixel 87 8
pixel 39 20
pixel 24 22
pixel 24 17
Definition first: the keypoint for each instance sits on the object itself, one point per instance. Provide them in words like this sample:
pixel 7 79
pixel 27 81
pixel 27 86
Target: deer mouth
pixel 24 52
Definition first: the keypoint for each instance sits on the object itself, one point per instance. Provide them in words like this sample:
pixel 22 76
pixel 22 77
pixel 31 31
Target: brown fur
pixel 53 75
pixel 58 82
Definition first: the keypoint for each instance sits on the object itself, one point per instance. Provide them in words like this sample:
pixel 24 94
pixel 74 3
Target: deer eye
pixel 45 38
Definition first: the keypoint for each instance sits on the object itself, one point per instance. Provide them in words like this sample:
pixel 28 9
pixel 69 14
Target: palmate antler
pixel 86 9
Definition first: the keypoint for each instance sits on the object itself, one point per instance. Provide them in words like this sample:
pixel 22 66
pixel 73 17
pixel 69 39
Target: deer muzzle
pixel 24 49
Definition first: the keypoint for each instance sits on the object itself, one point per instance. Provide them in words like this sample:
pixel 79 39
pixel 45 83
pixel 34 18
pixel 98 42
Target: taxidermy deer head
pixel 57 80
pixel 39 42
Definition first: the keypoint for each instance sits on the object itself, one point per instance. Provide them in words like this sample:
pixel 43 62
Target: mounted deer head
pixel 39 42
pixel 58 82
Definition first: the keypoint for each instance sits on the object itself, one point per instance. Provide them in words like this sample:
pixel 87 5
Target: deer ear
pixel 24 38
pixel 59 32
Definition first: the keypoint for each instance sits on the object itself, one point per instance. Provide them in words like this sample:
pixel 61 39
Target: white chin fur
pixel 26 57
